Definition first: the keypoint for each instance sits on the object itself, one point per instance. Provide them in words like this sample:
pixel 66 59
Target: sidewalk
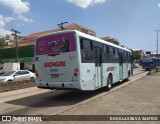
pixel 141 97
pixel 138 70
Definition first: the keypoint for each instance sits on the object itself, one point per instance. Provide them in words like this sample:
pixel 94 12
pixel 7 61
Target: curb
pixel 11 86
pixel 132 79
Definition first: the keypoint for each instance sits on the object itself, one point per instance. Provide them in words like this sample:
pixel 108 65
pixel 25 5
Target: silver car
pixel 18 75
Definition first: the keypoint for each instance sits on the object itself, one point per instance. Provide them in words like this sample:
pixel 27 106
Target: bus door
pixel 120 66
pixel 98 64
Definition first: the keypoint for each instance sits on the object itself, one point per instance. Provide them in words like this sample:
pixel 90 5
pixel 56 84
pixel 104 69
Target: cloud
pixel 85 3
pixel 159 5
pixel 20 24
pixel 25 18
pixel 18 7
pixel 4 32
pixel 3 21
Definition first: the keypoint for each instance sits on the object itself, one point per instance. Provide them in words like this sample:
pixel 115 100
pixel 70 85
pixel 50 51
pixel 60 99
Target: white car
pixel 18 75
pixel 136 65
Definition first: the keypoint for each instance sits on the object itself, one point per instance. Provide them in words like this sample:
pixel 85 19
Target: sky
pixel 132 22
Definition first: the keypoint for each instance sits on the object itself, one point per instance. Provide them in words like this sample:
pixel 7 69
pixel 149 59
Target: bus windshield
pixel 56 44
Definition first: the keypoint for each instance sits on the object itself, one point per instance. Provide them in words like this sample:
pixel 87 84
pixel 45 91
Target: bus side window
pixel 111 56
pixel 124 56
pixel 91 44
pixel 113 50
pixel 86 50
pixel 104 48
pixel 87 45
pixel 107 48
pixel 81 43
pixel 129 60
pixel 104 53
pixel 120 53
pixel 116 55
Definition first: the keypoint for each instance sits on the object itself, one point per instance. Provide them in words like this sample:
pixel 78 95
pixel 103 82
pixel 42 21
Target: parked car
pixel 136 65
pixel 18 75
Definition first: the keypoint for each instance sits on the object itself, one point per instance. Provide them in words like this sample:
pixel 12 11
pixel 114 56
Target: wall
pixel 28 65
pixel 11 66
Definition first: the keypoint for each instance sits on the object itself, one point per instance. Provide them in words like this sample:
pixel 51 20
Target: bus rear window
pixel 58 43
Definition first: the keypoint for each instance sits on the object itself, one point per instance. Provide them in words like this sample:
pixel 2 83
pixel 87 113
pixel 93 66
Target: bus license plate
pixel 55 76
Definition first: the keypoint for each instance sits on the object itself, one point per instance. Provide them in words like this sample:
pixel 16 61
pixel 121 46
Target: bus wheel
pixel 109 83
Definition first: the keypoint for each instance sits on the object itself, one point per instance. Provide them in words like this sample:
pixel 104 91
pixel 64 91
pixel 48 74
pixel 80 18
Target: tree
pixel 2 42
pixel 136 55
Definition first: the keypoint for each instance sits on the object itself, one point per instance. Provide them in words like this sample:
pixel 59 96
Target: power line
pixel 16 37
pixel 157 41
pixel 61 25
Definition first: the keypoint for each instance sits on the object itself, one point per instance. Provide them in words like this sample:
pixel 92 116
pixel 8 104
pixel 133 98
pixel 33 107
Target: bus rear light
pixel 75 74
pixel 36 73
pixel 76 70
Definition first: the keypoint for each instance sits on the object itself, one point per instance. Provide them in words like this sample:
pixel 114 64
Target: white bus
pixel 75 60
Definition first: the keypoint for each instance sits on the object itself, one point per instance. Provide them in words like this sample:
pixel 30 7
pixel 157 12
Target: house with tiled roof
pixel 26 46
pixel 111 40
pixel 30 39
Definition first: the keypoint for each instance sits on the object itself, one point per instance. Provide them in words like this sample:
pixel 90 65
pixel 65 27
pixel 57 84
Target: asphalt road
pixel 141 97
pixel 128 98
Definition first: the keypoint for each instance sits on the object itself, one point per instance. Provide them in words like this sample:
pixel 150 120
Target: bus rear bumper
pixel 58 85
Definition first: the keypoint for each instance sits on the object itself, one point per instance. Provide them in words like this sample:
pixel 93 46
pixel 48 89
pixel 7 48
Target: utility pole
pixel 15 38
pixel 157 42
pixel 61 25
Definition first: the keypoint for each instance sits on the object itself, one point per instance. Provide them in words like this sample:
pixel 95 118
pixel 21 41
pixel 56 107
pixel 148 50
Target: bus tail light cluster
pixel 36 72
pixel 76 70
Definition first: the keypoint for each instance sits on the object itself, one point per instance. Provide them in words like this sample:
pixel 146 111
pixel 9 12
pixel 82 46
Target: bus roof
pixel 86 36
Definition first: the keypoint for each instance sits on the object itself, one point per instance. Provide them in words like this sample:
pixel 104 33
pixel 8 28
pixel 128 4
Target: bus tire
pixel 109 83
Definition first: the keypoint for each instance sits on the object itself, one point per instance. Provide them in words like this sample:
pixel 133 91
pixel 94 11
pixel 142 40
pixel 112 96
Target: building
pixel 9 39
pixel 26 46
pixel 111 40
pixel 139 51
pixel 154 54
pixel 30 39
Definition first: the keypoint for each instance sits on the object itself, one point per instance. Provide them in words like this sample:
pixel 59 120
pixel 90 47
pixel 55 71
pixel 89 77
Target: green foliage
pixel 25 51
pixel 2 41
pixel 136 55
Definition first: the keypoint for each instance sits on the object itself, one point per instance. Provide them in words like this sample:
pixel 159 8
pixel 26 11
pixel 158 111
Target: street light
pixel 157 41
pixel 15 37
pixel 61 25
